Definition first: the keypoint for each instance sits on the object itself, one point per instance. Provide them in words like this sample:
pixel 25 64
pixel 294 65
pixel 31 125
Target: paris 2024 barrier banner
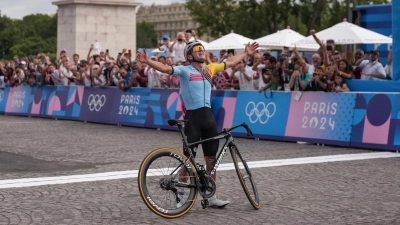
pixel 368 120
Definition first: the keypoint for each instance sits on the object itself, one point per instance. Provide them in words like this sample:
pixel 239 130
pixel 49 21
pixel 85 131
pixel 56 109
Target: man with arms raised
pixel 195 81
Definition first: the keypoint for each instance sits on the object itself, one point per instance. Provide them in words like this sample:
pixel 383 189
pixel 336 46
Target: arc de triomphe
pixel 81 22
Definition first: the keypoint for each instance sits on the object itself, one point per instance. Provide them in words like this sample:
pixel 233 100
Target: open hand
pixel 251 48
pixel 142 57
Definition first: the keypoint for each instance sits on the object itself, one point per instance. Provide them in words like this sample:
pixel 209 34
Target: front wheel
pixel 164 188
pixel 245 177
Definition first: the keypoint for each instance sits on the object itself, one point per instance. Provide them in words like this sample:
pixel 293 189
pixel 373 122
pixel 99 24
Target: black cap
pixel 375 52
pixel 266 55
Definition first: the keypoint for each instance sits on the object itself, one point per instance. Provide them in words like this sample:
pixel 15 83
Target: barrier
pixel 321 117
pixel 367 120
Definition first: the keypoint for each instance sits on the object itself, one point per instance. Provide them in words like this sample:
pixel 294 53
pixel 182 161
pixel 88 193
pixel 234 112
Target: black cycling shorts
pixel 201 125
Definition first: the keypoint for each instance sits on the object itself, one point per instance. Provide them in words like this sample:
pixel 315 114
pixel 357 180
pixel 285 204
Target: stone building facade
pixel 168 19
pixel 111 22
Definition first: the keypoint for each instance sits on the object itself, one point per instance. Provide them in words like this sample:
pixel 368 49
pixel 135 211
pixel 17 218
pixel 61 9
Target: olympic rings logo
pixel 260 112
pixel 95 102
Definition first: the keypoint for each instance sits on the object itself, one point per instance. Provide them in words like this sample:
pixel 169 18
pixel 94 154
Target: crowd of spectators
pixel 262 71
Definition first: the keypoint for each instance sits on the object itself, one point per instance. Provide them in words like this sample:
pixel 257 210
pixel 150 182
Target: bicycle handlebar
pixel 249 133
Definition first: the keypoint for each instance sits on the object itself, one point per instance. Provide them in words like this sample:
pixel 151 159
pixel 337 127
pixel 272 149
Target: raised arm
pixel 143 58
pixel 312 32
pixel 249 50
pixel 389 58
pixel 298 56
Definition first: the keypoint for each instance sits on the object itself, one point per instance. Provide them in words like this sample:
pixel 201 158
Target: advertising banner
pixel 367 120
pixel 321 117
pixel 130 106
pixel 58 102
pixel 19 100
pixel 164 104
pixel 265 116
pixel 96 105
pixel 223 105
pixel 3 99
pixel 376 122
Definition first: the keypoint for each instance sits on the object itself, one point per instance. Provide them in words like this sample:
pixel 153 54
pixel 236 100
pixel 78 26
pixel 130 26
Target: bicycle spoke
pixel 158 180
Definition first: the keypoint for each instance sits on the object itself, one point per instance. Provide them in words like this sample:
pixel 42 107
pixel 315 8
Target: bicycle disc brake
pixel 207 186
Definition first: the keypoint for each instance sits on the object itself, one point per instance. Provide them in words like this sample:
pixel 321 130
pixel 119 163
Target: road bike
pixel 160 175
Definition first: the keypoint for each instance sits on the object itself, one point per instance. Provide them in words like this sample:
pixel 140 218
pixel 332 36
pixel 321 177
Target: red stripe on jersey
pixel 195 77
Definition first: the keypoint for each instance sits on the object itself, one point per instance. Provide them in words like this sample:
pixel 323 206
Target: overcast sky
pixel 17 9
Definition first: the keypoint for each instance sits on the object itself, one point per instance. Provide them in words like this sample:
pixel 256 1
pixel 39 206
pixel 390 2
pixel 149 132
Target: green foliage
pixel 257 18
pixel 146 36
pixel 29 36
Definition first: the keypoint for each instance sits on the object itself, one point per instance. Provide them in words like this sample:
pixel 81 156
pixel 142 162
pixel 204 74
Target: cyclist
pixel 196 81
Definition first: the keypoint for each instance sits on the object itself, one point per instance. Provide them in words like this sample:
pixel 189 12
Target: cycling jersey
pixel 195 85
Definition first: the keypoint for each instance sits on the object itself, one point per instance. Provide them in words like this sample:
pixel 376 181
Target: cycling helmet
pixel 189 46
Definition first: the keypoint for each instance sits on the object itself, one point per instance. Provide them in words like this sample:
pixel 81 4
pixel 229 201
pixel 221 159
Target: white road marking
pixel 31 182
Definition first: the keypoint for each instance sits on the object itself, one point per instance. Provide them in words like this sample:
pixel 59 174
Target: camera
pixel 314 74
pixel 281 61
pixel 329 48
pixel 263 70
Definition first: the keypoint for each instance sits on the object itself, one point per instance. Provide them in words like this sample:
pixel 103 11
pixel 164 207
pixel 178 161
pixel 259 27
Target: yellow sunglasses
pixel 198 48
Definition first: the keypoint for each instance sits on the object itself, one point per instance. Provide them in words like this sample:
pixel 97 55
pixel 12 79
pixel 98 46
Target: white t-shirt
pixel 64 78
pixel 371 68
pixel 22 75
pixel 116 78
pixel 167 52
pixel 55 81
pixel 311 69
pixel 179 52
pixel 153 77
pixel 2 83
pixel 244 84
pixel 338 88
pixel 86 81
pixel 97 83
pixel 261 83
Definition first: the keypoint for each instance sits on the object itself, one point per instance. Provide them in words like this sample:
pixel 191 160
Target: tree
pixel 251 18
pixel 29 36
pixel 146 36
pixel 256 18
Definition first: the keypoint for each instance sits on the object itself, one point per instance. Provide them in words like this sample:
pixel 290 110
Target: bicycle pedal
pixel 204 203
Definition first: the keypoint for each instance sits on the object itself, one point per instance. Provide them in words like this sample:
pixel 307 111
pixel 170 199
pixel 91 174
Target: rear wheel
pixel 158 180
pixel 245 177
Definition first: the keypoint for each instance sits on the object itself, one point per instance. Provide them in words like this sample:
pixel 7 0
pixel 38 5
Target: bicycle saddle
pixel 176 122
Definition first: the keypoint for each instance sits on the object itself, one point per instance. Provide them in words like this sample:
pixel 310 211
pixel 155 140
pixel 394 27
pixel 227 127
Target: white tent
pixel 229 41
pixel 285 38
pixel 205 44
pixel 348 33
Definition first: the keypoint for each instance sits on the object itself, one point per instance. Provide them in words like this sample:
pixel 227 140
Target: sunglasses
pixel 197 48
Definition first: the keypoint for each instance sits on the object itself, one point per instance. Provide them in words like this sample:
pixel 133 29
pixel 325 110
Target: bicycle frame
pixel 225 134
